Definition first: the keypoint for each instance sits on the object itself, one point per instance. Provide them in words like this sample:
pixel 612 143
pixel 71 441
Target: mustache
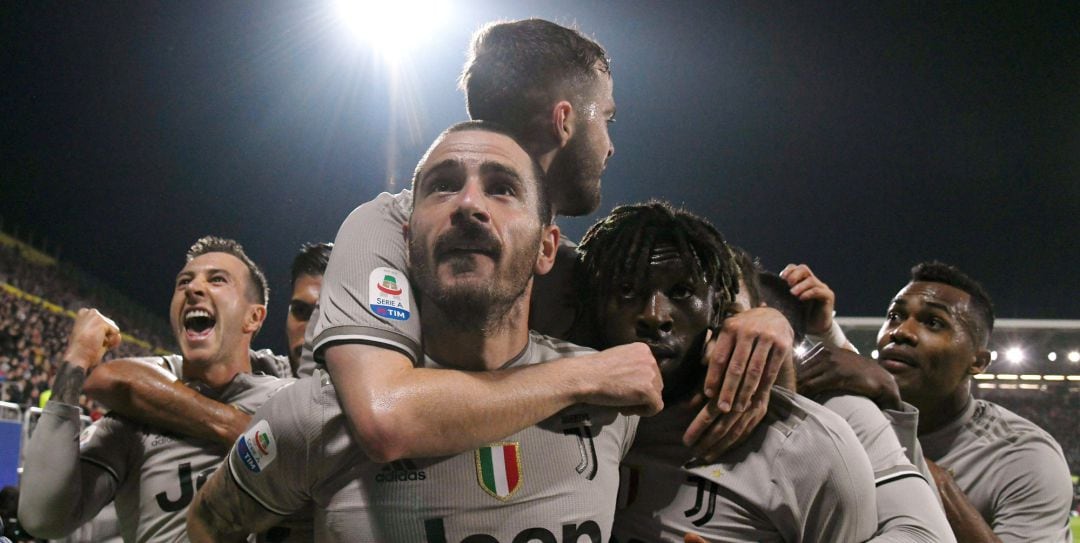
pixel 468 236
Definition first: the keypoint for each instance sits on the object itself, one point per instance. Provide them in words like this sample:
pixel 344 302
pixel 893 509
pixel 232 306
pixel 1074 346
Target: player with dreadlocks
pixel 666 277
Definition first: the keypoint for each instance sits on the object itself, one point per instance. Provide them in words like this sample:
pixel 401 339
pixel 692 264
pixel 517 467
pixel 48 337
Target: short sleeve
pixel 366 296
pixel 269 460
pixel 1034 501
pixel 110 444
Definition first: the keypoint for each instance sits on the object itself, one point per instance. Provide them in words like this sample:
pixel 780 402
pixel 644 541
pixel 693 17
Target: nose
pixel 471 203
pixel 654 321
pixel 903 332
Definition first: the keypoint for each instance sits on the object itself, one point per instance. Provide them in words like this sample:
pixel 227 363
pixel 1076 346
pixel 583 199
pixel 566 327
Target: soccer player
pixel 147 389
pixel 1001 477
pixel 665 277
pixel 218 304
pixel 552 87
pixel 480 229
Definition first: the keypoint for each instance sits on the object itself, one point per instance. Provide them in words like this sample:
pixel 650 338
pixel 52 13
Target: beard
pixel 478 304
pixel 574 178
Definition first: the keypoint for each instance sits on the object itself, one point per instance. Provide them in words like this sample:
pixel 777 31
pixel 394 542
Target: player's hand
pixel 625 376
pixel 727 429
pixel 91 336
pixel 833 369
pixel 693 538
pixel 746 356
pixel 820 300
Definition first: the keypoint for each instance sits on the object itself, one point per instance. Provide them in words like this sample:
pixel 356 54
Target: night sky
pixel 856 138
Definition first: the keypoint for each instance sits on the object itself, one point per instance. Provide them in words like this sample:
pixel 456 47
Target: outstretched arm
pixel 967 524
pixel 820 301
pixel 400 411
pixel 147 393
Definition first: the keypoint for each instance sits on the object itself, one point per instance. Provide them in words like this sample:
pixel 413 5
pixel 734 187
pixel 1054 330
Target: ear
pixel 981 362
pixel 562 122
pixel 549 247
pixel 254 319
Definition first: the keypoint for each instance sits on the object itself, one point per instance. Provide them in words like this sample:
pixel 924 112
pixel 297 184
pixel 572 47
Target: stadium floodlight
pixel 1014 355
pixel 800 350
pixel 993 355
pixel 392 27
pixel 1074 356
pixel 874 354
pixel 1052 356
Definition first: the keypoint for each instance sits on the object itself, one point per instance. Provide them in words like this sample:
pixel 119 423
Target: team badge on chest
pixel 498 469
pixel 388 294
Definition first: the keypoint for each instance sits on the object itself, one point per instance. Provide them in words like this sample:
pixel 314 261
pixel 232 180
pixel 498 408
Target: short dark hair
pixel 311 260
pixel 617 249
pixel 543 201
pixel 776 294
pixel 257 287
pixel 981 323
pixel 748 272
pixel 517 69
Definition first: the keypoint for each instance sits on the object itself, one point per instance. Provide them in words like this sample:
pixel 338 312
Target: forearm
pixel 400 411
pixel 149 394
pixel 58 492
pixel 221 511
pixel 966 522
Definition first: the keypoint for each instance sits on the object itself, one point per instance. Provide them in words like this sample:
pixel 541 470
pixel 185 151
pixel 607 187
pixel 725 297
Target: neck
pixel 935 414
pixel 492 343
pixel 219 372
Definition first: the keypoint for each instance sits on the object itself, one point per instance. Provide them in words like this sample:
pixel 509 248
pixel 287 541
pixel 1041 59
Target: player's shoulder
pixel 857 411
pixel 397 204
pixel 545 348
pixel 808 424
pixel 994 423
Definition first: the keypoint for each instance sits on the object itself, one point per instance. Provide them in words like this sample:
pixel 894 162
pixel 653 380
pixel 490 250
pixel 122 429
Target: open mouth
pixel 198 323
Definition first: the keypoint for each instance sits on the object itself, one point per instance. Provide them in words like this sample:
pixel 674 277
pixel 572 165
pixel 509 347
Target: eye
pixel 626 291
pixel 218 279
pixel 182 282
pixel 892 316
pixel 502 189
pixel 935 323
pixel 680 292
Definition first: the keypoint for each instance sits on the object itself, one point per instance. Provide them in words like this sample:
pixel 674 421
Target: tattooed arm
pixel 222 511
pixel 59 492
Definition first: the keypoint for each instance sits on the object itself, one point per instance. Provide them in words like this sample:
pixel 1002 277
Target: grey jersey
pixel 263 361
pixel 153 475
pixel 366 296
pixel 556 480
pixel 907 507
pixel 1012 471
pixel 801 476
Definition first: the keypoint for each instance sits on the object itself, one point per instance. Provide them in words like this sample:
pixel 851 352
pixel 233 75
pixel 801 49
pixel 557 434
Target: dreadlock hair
pixel 311 260
pixel 258 291
pixel 981 323
pixel 517 70
pixel 777 295
pixel 616 249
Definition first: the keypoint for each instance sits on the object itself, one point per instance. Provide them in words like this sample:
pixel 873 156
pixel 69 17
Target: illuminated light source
pixel 1054 377
pixel 1014 355
pixel 1006 376
pixel 1073 377
pixel 800 350
pixel 874 354
pixel 993 355
pixel 1051 357
pixel 985 376
pixel 1030 377
pixel 1074 356
pixel 392 27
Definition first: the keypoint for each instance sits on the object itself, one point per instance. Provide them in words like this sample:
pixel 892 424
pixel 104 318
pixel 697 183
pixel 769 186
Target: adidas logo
pixel 401 470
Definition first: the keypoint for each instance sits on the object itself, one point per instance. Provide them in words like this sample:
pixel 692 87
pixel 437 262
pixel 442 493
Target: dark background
pixel 859 138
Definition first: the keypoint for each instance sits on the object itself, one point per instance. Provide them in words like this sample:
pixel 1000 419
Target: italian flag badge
pixel 498 469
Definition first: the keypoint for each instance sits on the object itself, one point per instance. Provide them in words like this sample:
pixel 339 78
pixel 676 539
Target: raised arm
pixel 143 391
pixel 58 492
pixel 223 512
pixel 821 304
pixel 399 411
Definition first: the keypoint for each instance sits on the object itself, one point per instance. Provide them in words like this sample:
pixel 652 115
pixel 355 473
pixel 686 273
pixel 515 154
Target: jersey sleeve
pixel 876 435
pixel 58 492
pixel 366 296
pixel 835 491
pixel 269 461
pixel 1034 502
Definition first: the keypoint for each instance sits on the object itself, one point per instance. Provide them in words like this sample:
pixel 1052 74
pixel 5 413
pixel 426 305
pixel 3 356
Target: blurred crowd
pixel 33 335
